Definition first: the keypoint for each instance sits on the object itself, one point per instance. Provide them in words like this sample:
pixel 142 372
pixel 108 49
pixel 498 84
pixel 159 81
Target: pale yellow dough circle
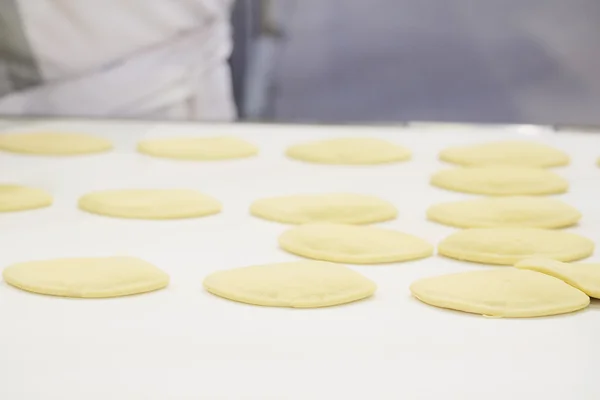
pixel 510 152
pixel 353 244
pixel 349 151
pixel 304 284
pixel 506 246
pixel 87 277
pixel 583 276
pixel 150 203
pixel 198 148
pixel 500 181
pixel 507 292
pixel 346 208
pixel 54 144
pixel 17 198
pixel 518 211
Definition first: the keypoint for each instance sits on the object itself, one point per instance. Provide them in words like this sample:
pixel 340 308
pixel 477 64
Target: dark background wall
pixel 522 61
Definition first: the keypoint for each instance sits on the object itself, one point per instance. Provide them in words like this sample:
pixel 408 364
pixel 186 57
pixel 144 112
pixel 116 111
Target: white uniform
pixel 142 58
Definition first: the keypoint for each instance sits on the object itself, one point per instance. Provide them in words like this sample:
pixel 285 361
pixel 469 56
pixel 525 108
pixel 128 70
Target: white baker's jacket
pixel 143 58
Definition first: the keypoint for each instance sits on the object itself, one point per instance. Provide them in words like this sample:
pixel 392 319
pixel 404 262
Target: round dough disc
pixel 343 208
pixel 585 277
pixel 508 292
pixel 17 198
pixel 506 246
pixel 150 203
pixel 527 212
pixel 87 277
pixel 55 144
pixel 304 284
pixel 500 181
pixel 198 148
pixel 517 153
pixel 353 244
pixel 349 151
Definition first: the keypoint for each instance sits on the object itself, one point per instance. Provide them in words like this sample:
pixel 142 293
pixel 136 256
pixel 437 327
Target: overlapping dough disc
pixel 344 208
pixel 304 284
pixel 510 152
pixel 518 211
pixel 87 277
pixel 17 198
pixel 500 181
pixel 506 246
pixel 53 143
pixel 583 276
pixel 507 292
pixel 198 148
pixel 353 244
pixel 150 203
pixel 349 151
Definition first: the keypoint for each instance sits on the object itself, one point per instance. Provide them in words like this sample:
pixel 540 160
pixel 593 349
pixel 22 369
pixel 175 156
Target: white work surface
pixel 184 343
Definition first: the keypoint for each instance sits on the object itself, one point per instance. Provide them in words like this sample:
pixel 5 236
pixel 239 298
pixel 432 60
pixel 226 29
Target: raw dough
pixel 353 244
pixel 150 203
pixel 349 151
pixel 198 148
pixel 506 246
pixel 17 198
pixel 344 208
pixel 55 144
pixel 304 284
pixel 585 277
pixel 527 212
pixel 507 292
pixel 87 277
pixel 500 181
pixel 511 152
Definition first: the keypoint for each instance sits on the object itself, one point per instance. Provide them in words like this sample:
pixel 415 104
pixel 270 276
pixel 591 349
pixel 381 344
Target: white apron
pixel 128 58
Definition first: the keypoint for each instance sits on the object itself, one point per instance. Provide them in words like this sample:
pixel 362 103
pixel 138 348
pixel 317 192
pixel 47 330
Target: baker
pixel 134 58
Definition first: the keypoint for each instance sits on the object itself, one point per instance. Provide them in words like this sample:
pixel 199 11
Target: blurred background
pixel 517 61
pixel 350 61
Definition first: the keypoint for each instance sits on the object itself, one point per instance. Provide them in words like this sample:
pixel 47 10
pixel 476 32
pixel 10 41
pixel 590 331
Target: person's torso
pixel 48 40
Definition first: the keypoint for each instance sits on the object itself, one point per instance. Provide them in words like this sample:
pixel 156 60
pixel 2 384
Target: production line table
pixel 184 343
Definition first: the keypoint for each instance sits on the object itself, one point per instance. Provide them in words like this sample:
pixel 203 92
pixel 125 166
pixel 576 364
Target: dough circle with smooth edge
pixel 346 208
pixel 500 181
pixel 349 151
pixel 53 143
pixel 583 276
pixel 150 203
pixel 353 244
pixel 18 198
pixel 518 211
pixel 198 148
pixel 510 152
pixel 507 292
pixel 87 277
pixel 304 284
pixel 507 246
